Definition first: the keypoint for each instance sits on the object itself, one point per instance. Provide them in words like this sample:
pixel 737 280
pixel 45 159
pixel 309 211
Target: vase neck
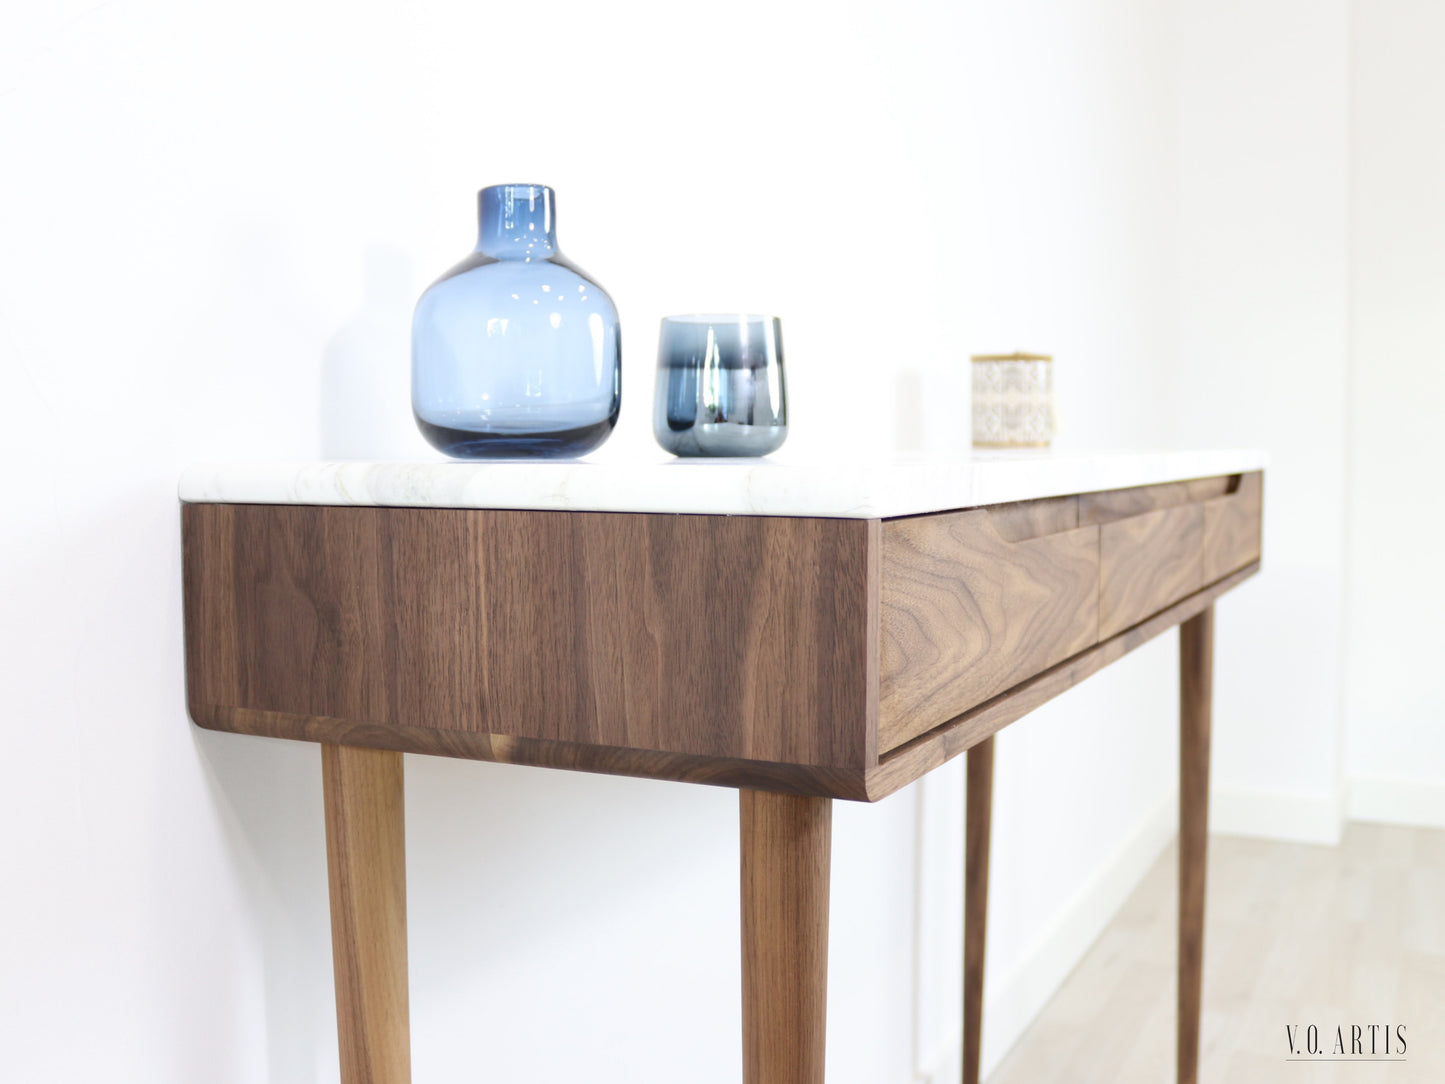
pixel 516 222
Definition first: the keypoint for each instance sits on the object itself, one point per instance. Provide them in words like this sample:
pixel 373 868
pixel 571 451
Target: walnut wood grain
pixel 919 757
pixel 729 637
pixel 1112 504
pixel 1146 562
pixel 965 614
pixel 894 771
pixel 977 829
pixel 366 863
pixel 846 783
pixel 1021 520
pixel 786 854
pixel 1232 528
pixel 1196 669
pixel 1195 533
pixel 737 651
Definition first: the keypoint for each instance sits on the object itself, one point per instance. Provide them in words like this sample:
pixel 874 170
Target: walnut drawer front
pixel 1233 525
pixel 968 608
pixel 973 602
pixel 1158 544
pixel 1146 562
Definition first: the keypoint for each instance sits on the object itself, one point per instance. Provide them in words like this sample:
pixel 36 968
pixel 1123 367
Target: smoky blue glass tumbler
pixel 720 389
pixel 516 353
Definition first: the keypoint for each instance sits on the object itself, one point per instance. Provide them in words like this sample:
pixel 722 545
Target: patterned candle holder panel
pixel 1013 400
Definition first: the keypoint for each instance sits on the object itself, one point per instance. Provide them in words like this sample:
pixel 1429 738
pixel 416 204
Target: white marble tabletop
pixel 858 488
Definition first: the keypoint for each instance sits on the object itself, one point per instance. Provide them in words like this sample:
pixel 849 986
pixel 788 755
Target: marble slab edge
pixel 864 489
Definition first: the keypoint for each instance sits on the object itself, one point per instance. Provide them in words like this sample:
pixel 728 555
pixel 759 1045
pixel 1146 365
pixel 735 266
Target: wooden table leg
pixel 786 852
pixel 1196 667
pixel 977 820
pixel 366 860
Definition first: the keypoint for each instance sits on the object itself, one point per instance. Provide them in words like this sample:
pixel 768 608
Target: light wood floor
pixel 1295 934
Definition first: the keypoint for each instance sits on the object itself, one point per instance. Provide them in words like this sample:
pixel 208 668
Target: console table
pixel 800 631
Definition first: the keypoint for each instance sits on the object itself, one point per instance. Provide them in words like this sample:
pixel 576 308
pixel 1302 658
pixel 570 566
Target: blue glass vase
pixel 516 352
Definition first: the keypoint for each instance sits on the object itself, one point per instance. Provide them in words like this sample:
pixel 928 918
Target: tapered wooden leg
pixel 786 852
pixel 975 900
pixel 366 859
pixel 1196 668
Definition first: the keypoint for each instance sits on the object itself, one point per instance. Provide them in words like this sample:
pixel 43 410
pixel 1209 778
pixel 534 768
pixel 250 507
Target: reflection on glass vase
pixel 516 353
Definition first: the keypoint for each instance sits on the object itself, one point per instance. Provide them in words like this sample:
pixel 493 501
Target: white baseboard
pixel 1397 801
pixel 1012 1001
pixel 1269 814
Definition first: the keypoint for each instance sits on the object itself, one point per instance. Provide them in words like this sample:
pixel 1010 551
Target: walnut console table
pixel 799 632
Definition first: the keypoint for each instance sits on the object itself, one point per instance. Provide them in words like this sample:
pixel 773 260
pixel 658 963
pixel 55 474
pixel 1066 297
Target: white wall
pixel 220 222
pixel 1262 351
pixel 215 223
pixel 1312 313
pixel 1395 640
pixel 216 220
